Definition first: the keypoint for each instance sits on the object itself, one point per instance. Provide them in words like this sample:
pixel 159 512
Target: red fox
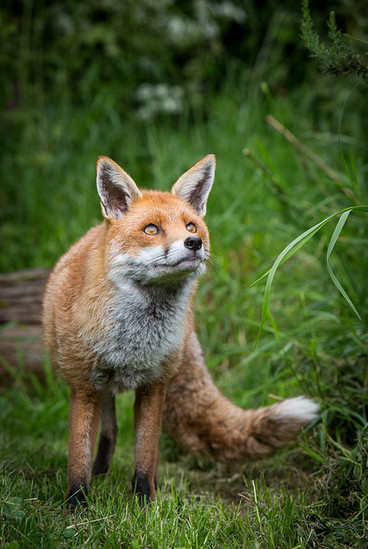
pixel 117 316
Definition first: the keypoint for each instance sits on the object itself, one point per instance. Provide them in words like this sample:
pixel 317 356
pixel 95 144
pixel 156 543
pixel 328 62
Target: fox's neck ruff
pixel 144 328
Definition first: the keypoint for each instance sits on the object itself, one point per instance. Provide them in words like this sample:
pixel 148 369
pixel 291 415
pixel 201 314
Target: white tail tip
pixel 299 408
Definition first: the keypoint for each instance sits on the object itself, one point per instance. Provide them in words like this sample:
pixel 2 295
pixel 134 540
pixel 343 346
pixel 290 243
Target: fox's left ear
pixel 194 185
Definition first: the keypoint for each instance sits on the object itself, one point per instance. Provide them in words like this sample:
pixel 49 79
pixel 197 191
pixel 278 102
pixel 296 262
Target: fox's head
pixel 155 237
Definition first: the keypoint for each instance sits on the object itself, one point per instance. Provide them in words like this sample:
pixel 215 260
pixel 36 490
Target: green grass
pixel 287 501
pixel 313 494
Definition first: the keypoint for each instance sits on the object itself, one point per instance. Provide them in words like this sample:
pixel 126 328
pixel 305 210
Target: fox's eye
pixel 151 229
pixel 191 228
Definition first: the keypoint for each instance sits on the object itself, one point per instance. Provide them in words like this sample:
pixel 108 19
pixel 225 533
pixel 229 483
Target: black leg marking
pixel 102 461
pixel 77 495
pixel 108 435
pixel 141 487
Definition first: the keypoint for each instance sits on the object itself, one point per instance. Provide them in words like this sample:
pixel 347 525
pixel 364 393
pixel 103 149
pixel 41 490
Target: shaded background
pixel 81 79
pixel 156 85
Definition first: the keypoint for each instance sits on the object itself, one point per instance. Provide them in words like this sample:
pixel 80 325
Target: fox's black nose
pixel 193 243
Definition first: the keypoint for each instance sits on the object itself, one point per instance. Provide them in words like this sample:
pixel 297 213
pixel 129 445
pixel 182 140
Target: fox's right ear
pixel 115 187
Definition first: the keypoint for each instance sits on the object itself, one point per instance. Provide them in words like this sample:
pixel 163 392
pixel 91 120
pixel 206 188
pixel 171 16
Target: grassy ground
pixel 313 494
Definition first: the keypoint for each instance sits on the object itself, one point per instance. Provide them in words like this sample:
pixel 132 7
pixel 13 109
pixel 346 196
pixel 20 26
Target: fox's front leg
pixel 148 408
pixel 83 424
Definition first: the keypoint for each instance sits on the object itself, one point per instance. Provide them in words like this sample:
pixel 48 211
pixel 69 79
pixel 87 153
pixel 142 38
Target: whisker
pixel 210 265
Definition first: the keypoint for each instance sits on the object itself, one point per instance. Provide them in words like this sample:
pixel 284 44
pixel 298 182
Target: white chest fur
pixel 142 328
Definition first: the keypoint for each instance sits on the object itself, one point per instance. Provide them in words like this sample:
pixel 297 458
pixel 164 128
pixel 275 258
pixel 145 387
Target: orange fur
pixel 117 315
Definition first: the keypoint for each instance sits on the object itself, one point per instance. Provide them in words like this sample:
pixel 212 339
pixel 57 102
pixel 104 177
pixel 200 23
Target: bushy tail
pixel 207 424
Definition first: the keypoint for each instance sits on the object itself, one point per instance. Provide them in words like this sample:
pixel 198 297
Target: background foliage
pixel 156 85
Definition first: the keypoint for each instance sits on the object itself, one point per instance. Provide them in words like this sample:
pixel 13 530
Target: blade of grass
pixel 312 156
pixel 348 169
pixel 339 226
pixel 290 250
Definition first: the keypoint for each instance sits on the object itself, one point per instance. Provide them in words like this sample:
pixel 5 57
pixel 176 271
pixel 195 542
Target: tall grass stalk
pixel 298 243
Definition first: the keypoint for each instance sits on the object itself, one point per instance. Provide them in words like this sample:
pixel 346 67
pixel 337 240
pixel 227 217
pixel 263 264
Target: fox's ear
pixel 194 185
pixel 116 188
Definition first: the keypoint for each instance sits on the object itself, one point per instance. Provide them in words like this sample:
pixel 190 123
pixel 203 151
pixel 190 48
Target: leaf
pixel 11 509
pixel 69 533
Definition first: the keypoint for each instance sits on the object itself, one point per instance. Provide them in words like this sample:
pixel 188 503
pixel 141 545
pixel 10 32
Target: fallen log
pixel 20 321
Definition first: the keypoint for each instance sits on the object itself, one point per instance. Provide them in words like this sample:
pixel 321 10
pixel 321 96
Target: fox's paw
pixel 77 495
pixel 143 487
